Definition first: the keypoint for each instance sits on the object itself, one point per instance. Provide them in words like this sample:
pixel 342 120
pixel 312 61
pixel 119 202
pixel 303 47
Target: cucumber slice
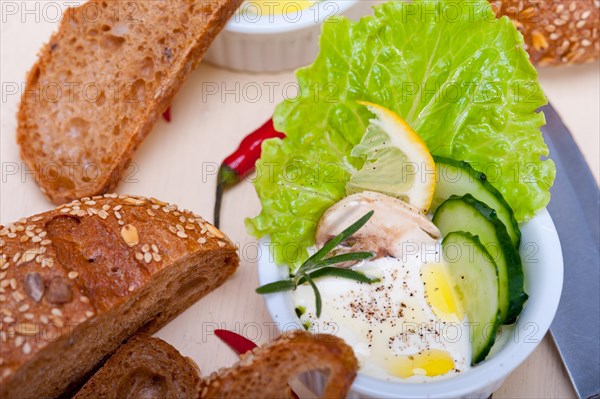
pixel 475 277
pixel 473 216
pixel 459 178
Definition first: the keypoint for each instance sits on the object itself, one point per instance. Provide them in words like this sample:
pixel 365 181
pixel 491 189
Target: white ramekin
pixel 274 43
pixel 543 268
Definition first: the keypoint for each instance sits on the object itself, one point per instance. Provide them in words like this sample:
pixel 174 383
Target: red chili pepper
pixel 240 345
pixel 235 341
pixel 167 114
pixel 242 161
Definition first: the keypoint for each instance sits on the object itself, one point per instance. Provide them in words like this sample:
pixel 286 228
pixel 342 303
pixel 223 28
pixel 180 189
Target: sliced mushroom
pixel 394 229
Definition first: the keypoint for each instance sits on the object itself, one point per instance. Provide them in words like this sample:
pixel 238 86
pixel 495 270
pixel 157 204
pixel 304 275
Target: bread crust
pixel 556 32
pixel 265 372
pixel 77 281
pixel 144 367
pixel 99 86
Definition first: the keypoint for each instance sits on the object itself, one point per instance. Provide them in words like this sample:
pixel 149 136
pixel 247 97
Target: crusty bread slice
pixel 264 373
pixel 144 367
pixel 78 281
pixel 102 81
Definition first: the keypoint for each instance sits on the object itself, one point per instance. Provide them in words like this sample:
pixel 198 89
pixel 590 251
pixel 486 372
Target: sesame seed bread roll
pixel 78 281
pixel 264 373
pixel 102 81
pixel 556 32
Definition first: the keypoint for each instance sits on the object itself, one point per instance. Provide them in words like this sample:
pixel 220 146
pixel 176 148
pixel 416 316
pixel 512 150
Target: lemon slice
pixel 397 161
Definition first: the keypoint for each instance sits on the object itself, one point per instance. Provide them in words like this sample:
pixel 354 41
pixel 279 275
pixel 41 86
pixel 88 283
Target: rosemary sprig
pixel 319 266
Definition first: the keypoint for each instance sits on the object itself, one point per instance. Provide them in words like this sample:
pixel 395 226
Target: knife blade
pixel 575 208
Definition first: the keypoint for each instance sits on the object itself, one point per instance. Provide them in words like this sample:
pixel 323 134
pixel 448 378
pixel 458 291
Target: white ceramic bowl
pixel 543 268
pixel 274 43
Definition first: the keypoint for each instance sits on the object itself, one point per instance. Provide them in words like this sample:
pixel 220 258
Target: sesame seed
pixel 84 299
pixel 46 242
pixel 81 213
pixel 139 256
pixel 102 213
pixel 11 235
pixel 182 219
pixel 89 313
pixel 559 22
pixel 73 275
pixel 56 312
pixel 27 329
pixel 24 308
pixel 28 256
pixel 19 341
pixel 118 208
pixel 181 234
pixel 44 319
pixel 131 288
pixel 65 210
pixel 154 248
pixel 13 283
pixel 36 239
pixel 586 43
pixel 134 201
pixel 150 213
pixel 145 248
pixel 179 227
pixel 106 207
pixel 586 14
pixel 90 202
pixel 172 229
pixel 117 215
pixel 156 257
pixel 15 258
pixel 201 240
pixel 147 257
pixel 190 227
pixel 29 233
pixel 92 211
pixel 26 348
pixel 8 319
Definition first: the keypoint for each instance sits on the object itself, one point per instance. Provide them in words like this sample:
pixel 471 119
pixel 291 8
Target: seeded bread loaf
pixel 77 281
pixel 264 373
pixel 102 81
pixel 144 367
pixel 556 32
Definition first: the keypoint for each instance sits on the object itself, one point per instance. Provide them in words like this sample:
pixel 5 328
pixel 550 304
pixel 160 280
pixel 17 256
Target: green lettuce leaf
pixel 454 72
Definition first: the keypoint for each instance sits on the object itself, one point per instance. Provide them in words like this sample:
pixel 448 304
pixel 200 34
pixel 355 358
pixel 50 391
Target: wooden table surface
pixel 177 163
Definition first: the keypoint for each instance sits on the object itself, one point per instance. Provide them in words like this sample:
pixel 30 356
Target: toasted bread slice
pixel 102 81
pixel 144 367
pixel 265 372
pixel 83 278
